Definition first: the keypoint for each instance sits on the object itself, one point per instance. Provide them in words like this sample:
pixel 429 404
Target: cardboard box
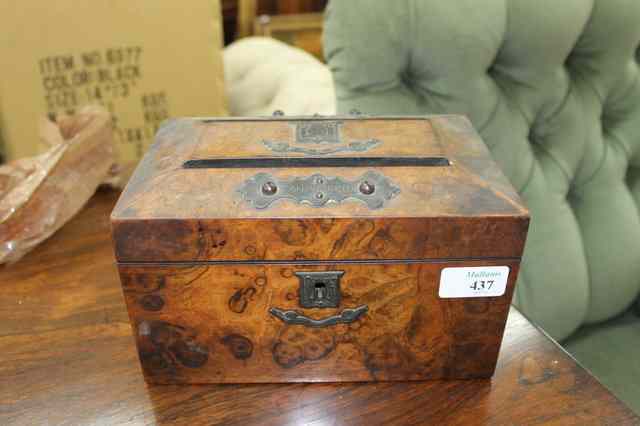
pixel 144 60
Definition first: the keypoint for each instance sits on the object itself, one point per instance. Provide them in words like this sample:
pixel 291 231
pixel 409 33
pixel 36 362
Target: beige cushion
pixel 263 75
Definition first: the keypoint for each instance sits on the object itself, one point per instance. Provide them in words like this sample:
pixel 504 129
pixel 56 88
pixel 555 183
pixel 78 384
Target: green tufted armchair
pixel 554 89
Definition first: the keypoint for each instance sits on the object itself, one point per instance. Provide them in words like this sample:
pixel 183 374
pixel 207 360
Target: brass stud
pixel 269 188
pixel 367 188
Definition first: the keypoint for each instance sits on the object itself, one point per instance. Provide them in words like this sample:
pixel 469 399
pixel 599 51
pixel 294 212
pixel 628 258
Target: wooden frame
pixel 247 10
pixel 266 25
pixel 302 30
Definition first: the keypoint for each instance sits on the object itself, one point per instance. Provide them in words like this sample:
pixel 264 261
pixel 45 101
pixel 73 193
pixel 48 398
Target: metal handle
pixel 347 316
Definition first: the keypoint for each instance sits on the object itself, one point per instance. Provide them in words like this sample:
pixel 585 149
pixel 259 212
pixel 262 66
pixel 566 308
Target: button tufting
pixel 533 82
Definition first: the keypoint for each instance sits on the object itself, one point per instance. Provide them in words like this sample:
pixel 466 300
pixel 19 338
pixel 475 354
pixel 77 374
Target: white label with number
pixel 481 281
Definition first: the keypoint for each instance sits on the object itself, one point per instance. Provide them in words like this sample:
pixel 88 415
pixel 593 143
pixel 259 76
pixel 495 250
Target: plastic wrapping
pixel 40 194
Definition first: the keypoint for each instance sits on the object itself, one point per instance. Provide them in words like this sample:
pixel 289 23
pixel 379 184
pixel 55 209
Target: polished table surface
pixel 67 357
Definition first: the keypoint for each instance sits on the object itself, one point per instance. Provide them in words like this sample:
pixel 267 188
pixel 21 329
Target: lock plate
pixel 319 289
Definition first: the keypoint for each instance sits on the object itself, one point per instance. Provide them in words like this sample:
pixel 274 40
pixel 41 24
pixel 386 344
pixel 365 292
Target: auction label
pixel 481 281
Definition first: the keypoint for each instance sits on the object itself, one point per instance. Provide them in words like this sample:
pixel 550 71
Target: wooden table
pixel 67 357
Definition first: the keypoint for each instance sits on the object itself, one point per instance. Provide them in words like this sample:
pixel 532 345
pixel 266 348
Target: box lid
pixel 321 188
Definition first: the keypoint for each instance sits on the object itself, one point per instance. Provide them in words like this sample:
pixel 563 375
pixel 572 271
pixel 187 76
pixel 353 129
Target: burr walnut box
pixel 315 249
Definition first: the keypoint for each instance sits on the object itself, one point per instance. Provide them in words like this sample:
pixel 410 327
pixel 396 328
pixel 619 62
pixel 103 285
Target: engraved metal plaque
pixel 319 133
pixel 372 188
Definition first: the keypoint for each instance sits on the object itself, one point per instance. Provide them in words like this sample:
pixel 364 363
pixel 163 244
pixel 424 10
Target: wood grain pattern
pixel 161 188
pixel 211 324
pixel 323 240
pixel 184 316
pixel 246 139
pixel 67 358
pixel 169 213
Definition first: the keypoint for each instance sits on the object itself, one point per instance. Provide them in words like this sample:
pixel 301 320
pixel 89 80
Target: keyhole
pixel 320 290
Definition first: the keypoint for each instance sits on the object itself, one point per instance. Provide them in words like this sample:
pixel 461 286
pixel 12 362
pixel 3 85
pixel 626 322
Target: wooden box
pixel 312 249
